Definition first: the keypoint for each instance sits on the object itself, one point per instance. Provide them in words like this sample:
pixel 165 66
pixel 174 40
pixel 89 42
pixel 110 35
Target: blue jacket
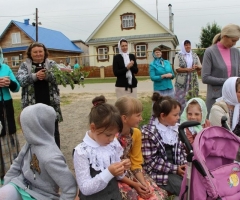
pixel 14 85
pixel 156 69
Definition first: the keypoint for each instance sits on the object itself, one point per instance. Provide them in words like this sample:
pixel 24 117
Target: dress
pixel 186 84
pixel 9 146
pixel 129 143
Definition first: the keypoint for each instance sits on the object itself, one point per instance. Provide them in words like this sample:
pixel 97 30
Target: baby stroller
pixel 213 171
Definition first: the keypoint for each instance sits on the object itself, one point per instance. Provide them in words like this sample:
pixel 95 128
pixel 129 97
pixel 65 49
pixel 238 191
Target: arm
pixel 15 168
pixel 14 84
pixel 152 156
pixel 60 173
pixel 134 68
pixel 216 114
pixel 152 73
pixel 207 68
pixel 23 77
pixel 117 69
pixel 86 183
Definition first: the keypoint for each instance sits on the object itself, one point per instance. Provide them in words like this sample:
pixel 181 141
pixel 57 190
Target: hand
pixel 190 69
pixel 126 164
pixel 181 170
pixel 116 169
pixel 168 75
pixel 130 64
pixel 41 74
pixel 142 190
pixel 196 67
pixel 4 81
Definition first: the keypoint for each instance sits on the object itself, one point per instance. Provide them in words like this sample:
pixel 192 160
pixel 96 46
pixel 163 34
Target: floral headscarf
pixel 203 107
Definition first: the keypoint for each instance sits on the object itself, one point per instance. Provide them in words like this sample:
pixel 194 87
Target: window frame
pixel 134 21
pixel 15 62
pixel 115 47
pixel 136 52
pixel 106 54
pixel 16 38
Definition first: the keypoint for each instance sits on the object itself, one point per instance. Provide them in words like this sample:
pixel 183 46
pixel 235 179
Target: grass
pixel 147 109
pixel 108 80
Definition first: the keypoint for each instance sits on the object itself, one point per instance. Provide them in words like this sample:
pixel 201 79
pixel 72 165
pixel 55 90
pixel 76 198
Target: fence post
pixel 102 72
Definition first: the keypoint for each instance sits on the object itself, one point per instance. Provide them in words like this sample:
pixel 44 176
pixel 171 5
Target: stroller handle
pixel 182 134
pixel 224 123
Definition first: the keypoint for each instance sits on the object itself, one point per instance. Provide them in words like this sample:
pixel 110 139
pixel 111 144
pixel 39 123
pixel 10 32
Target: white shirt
pixel 100 157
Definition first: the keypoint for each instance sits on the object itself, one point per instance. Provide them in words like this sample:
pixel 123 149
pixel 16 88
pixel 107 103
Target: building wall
pixel 144 24
pixel 85 48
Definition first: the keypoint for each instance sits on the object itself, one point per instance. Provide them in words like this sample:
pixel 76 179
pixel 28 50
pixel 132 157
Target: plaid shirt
pixel 155 157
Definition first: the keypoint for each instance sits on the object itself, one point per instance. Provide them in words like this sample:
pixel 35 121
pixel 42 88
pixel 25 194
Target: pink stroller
pixel 213 165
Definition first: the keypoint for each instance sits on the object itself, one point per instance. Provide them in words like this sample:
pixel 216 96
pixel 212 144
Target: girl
pixel 40 168
pixel 137 185
pixel 97 159
pixel 195 110
pixel 164 154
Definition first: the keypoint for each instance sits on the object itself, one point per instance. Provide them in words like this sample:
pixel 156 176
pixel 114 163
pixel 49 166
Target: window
pixel 102 52
pixel 16 38
pixel 115 50
pixel 15 61
pixel 128 21
pixel 141 50
pixel 5 60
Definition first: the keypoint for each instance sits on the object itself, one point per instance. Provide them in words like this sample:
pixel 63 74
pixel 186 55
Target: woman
pixel 220 61
pixel 124 68
pixel 38 84
pixel 9 147
pixel 161 73
pixel 228 105
pixel 186 64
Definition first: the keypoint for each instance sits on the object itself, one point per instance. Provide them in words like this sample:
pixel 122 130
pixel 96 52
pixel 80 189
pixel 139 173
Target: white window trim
pixel 139 53
pixel 15 61
pixel 128 21
pixel 104 55
pixel 116 50
pixel 16 38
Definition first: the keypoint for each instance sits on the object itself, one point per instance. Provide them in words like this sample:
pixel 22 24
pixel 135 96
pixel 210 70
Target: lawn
pixel 108 80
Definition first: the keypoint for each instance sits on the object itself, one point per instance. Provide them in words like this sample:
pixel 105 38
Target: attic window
pixel 102 52
pixel 141 50
pixel 16 38
pixel 128 21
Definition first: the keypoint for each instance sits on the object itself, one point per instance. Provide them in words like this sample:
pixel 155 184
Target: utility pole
pixel 36 25
pixel 157 8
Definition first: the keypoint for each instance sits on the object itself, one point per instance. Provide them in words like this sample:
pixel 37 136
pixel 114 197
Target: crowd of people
pixel 117 159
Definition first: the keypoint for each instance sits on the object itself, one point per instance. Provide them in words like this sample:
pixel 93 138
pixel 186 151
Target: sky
pixel 77 19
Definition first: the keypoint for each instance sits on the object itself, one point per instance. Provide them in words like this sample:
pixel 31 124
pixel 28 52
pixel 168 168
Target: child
pixel 164 154
pixel 40 168
pixel 195 110
pixel 130 138
pixel 97 159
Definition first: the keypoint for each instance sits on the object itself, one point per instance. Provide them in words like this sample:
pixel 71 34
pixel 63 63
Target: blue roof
pixel 54 40
pixel 13 49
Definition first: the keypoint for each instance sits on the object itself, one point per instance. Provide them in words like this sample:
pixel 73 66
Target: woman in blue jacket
pixel 161 74
pixel 9 147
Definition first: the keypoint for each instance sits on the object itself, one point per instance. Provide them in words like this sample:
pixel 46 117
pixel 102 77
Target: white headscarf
pixel 229 95
pixel 187 55
pixel 126 62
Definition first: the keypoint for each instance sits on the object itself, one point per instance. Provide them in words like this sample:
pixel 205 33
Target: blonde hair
pixel 128 105
pixel 231 30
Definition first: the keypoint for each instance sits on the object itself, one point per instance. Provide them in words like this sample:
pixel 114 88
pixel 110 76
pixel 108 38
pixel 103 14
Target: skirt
pixel 129 193
pixel 120 91
pixel 9 149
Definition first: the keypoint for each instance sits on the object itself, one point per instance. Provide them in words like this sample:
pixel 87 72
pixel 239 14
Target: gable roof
pixel 138 6
pixel 54 40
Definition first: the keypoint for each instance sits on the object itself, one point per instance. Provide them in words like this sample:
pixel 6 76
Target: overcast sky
pixel 77 19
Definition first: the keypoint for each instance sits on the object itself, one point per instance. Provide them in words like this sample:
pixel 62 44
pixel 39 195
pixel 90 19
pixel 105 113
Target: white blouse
pixel 89 152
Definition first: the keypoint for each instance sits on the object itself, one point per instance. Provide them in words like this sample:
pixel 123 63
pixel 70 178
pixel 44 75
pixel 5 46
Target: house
pixel 17 36
pixel 142 31
pixel 85 55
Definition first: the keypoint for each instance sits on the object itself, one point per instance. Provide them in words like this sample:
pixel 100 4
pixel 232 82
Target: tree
pixel 207 34
pixel 206 37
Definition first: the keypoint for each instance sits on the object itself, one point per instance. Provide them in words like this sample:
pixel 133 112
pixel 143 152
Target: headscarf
pixel 1 56
pixel 229 96
pixel 126 62
pixel 156 59
pixel 203 107
pixel 187 55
